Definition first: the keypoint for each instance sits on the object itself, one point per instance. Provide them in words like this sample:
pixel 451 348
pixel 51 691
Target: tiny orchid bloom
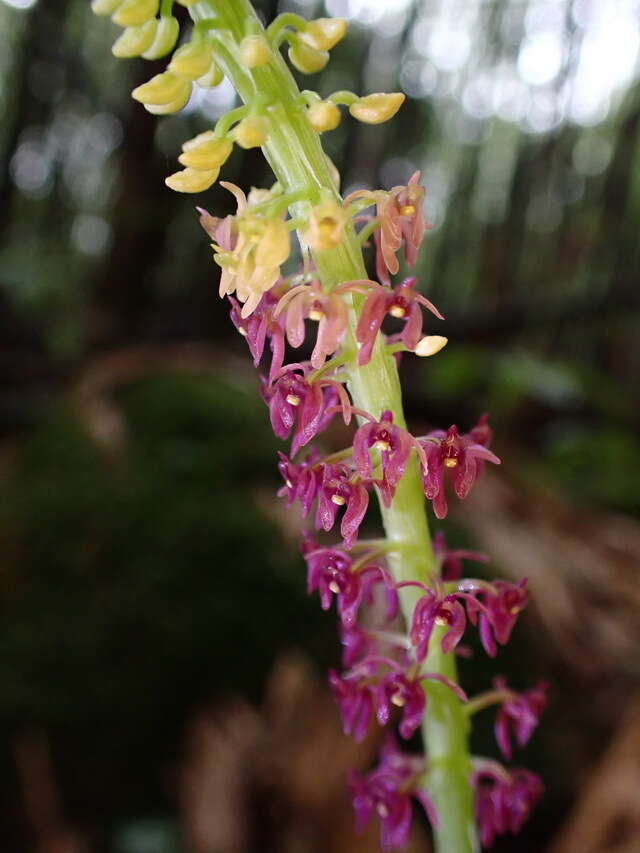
pixel 451 561
pixel 434 609
pixel 387 792
pixel 518 715
pixel 355 700
pixel 293 400
pixel 401 220
pixel 329 310
pixel 504 799
pixel 259 326
pixel 394 445
pixel 458 454
pixel 495 607
pixel 340 488
pixel 403 302
pixel 399 689
pixel 330 572
pixel 302 480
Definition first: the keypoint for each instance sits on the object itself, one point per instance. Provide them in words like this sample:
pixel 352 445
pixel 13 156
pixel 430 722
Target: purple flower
pixel 495 608
pixel 518 715
pixel 302 480
pixel 504 799
pixel 354 696
pixel 394 445
pixel 399 689
pixel 387 791
pixel 451 560
pixel 330 572
pixel 459 454
pixel 403 302
pixel 339 488
pixel 259 326
pixel 294 401
pixel 437 609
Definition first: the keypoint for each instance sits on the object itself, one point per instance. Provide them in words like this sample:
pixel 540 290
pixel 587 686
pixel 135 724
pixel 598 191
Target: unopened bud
pixel 324 115
pixel 191 60
pixel 374 109
pixel 326 226
pixel 252 132
pixel 255 51
pixel 132 13
pixel 162 89
pixel 172 106
pixel 135 40
pixel 430 345
pixel 191 180
pixel 206 154
pixel 307 59
pixel 273 247
pixel 165 39
pixel 324 33
pixel 213 77
pixel 104 7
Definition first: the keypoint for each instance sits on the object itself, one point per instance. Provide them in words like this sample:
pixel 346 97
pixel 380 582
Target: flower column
pixel 294 152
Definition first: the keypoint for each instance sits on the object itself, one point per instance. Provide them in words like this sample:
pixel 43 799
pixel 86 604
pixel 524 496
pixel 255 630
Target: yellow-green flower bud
pixel 191 180
pixel 172 106
pixel 255 51
pixel 252 132
pixel 205 154
pixel 273 247
pixel 324 33
pixel 191 60
pixel 162 89
pixel 104 7
pixel 324 115
pixel 213 77
pixel 166 36
pixel 307 59
pixel 135 40
pixel 430 345
pixel 325 227
pixel 132 13
pixel 376 108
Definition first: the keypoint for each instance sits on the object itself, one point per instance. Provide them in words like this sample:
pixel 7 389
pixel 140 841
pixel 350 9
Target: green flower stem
pixel 298 161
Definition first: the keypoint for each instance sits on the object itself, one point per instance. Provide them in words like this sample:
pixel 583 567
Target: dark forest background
pixel 162 683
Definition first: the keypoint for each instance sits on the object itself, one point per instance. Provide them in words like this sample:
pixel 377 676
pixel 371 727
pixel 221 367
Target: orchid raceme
pixel 403 604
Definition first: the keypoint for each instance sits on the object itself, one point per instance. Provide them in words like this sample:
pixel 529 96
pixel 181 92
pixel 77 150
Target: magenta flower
pixel 458 454
pixel 504 799
pixel 302 480
pixel 387 792
pixel 354 696
pixel 399 689
pixel 495 608
pixel 401 220
pixel 329 571
pixel 294 401
pixel 394 445
pixel 519 714
pixel 329 310
pixel 437 609
pixel 340 488
pixel 403 302
pixel 260 326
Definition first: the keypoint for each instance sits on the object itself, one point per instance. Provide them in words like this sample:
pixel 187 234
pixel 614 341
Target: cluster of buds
pixel 389 673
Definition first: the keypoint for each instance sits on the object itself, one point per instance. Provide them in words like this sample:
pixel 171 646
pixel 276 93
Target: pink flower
pixel 329 310
pixel 504 799
pixel 260 326
pixel 519 714
pixel 387 792
pixel 431 610
pixel 340 488
pixel 403 302
pixel 461 456
pixel 394 445
pixel 302 480
pixel 355 700
pixel 401 220
pixel 294 401
pixel 495 608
